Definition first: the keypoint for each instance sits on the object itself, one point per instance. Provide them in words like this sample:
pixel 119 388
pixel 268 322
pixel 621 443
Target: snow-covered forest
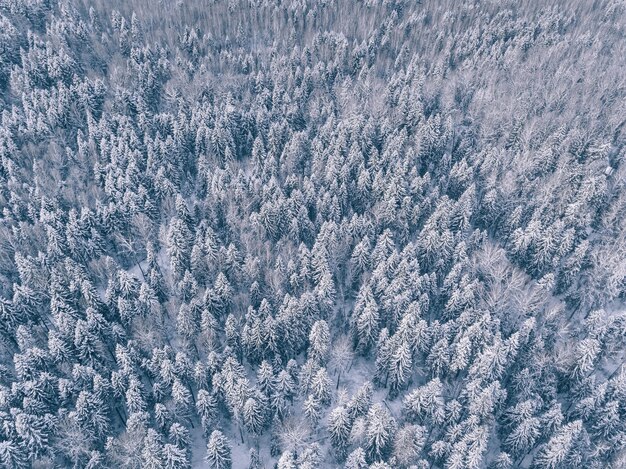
pixel 298 234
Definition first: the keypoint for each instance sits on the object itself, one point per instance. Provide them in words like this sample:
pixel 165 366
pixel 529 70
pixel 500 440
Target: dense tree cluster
pixel 312 233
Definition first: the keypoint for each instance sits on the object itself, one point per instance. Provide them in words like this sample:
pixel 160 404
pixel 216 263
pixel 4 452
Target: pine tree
pixel 380 465
pixel 408 444
pixel 310 457
pixel 254 415
pixel 460 355
pixel 319 340
pixel 182 397
pixel 360 259
pixel 175 457
pixel 381 429
pixel 134 397
pixel 96 460
pixel 220 296
pixel 312 410
pixel 326 293
pixel 339 426
pixel 555 452
pixel 524 436
pixel 426 404
pixel 265 378
pixel 321 387
pixel 384 350
pixel 400 367
pixel 161 415
pixel 285 385
pixel 275 443
pixel 476 448
pixel 609 424
pixel 585 356
pixel 232 331
pixel 13 455
pixel 152 452
pixel 206 406
pixel 356 460
pixel 287 460
pixel 367 326
pixel 187 287
pixel 439 357
pixel 361 401
pixel 178 240
pixel 255 459
pixel 485 402
pixel 218 454
pixel 179 435
pixel 198 262
pixel 208 328
pixel 34 431
pixel 502 461
pixel 91 414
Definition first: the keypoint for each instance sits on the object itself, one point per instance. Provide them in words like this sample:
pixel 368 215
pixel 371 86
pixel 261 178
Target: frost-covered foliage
pixel 317 233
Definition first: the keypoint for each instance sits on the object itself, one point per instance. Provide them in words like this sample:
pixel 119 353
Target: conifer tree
pixel 400 367
pixel 321 387
pixel 356 460
pixel 339 425
pixel 381 429
pixel 312 410
pixel 319 340
pixel 254 415
pixel 12 455
pixel 152 453
pixel 175 457
pixel 555 452
pixel 218 454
